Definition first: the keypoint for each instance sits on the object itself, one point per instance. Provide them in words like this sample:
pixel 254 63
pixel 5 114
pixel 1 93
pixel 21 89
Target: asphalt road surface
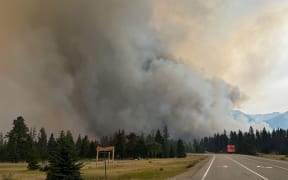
pixel 241 167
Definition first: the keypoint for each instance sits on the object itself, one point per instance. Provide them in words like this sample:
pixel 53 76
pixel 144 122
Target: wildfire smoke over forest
pixel 99 66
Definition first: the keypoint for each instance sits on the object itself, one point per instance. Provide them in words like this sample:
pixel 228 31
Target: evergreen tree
pixel 1 139
pixel 265 141
pixel 63 163
pixel 180 149
pixel 172 152
pixel 140 147
pixel 42 145
pixel 158 137
pixel 240 144
pixel 79 145
pixel 33 134
pixel 196 147
pixel 51 147
pixel 224 141
pixel 84 151
pixel 33 155
pixel 165 144
pixel 159 140
pixel 92 149
pixel 17 141
pixel 250 142
pixel 153 148
pixel 131 145
pixel 3 149
pixel 119 141
pixel 106 141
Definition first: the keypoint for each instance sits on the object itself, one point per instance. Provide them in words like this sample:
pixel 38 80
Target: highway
pixel 241 167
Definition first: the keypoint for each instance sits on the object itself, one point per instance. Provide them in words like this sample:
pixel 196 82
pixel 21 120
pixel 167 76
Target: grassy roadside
pixel 128 169
pixel 274 156
pixel 11 171
pixel 143 169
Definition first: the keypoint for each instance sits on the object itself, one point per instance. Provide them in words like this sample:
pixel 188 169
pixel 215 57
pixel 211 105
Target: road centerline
pixel 206 172
pixel 245 167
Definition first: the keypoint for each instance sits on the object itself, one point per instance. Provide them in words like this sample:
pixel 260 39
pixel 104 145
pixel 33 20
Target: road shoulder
pixel 192 171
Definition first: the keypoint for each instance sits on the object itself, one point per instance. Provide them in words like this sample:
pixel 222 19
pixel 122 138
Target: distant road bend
pixel 241 167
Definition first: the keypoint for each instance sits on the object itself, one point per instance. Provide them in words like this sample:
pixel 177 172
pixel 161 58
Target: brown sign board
pixel 107 148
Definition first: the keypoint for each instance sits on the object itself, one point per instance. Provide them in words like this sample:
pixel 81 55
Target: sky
pixel 271 95
pixel 244 42
pixel 187 64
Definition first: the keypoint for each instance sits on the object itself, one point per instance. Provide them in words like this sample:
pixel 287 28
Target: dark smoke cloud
pixel 99 66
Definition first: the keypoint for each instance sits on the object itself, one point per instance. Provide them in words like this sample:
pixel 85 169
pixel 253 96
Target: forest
pixel 55 154
pixel 24 144
pixel 261 141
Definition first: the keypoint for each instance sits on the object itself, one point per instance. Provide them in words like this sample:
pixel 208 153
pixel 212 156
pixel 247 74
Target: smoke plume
pixel 99 66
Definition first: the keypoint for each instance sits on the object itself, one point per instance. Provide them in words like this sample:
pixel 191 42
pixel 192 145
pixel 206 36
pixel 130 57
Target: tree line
pixel 20 143
pixel 251 142
pixel 61 156
pixel 157 144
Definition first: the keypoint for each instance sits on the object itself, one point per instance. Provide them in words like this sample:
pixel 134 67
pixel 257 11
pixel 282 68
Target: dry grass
pixel 142 169
pixel 128 169
pixel 18 171
pixel 274 156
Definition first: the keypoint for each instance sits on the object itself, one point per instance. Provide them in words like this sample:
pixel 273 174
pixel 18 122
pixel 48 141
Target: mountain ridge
pixel 275 119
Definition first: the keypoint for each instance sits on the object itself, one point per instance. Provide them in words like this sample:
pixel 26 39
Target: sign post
pixel 105 149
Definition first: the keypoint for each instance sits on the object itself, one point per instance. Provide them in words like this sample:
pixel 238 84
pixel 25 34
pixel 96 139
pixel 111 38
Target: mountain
pixel 274 120
pixel 280 121
pixel 265 117
pixel 239 115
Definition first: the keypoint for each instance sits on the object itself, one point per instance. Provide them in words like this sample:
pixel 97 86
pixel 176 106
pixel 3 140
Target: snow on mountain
pixel 265 117
pixel 280 121
pixel 274 120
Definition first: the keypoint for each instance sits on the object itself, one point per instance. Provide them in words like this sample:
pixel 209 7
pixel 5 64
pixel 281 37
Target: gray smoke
pixel 98 66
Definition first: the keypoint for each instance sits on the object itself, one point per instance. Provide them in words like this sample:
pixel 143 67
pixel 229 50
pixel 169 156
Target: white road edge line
pixel 245 167
pixel 251 159
pixel 206 172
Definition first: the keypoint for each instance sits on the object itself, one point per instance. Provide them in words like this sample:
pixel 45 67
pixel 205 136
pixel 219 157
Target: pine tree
pixel 17 141
pixel 119 141
pixel 1 139
pixel 158 137
pixel 42 145
pixel 51 147
pixel 251 142
pixel 140 149
pixel 165 144
pixel 196 146
pixel 63 163
pixel 33 155
pixel 266 142
pixel 153 148
pixel 92 149
pixel 180 149
pixel 159 140
pixel 3 149
pixel 131 145
pixel 84 151
pixel 79 145
pixel 172 152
